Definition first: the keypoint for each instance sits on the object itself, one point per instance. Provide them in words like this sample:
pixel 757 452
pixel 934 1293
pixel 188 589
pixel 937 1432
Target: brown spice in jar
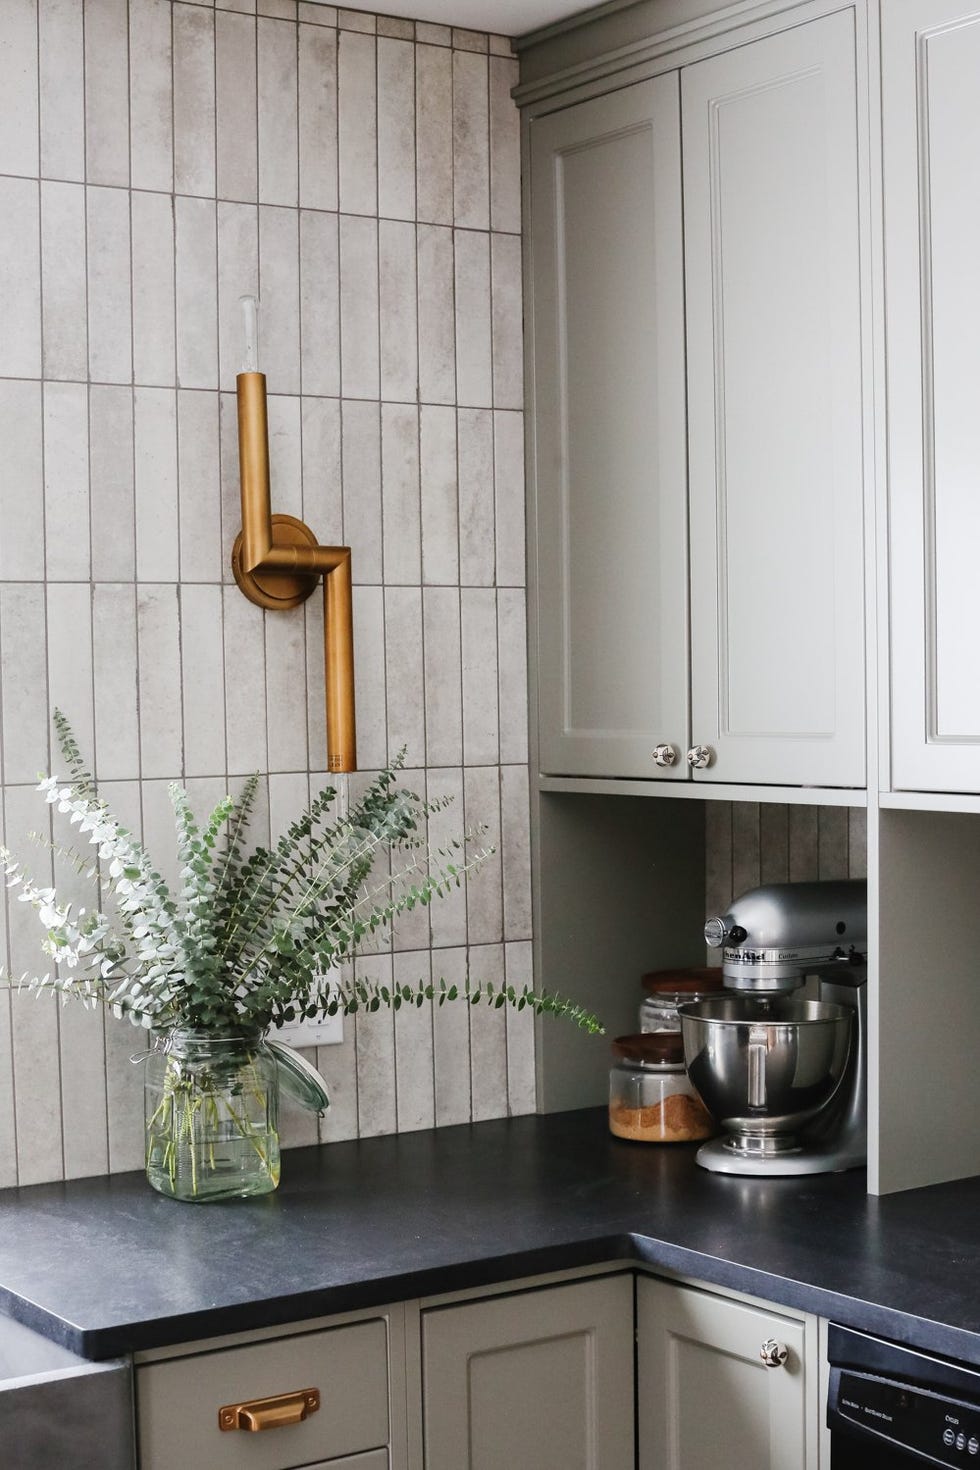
pixel 680 1118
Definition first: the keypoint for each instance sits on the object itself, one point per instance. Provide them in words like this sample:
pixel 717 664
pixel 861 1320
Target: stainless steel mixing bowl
pixel 765 1065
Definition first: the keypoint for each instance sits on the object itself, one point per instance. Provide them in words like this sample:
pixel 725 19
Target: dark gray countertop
pixel 106 1266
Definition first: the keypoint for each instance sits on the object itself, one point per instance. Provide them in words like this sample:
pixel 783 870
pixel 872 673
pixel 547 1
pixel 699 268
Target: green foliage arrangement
pixel 243 942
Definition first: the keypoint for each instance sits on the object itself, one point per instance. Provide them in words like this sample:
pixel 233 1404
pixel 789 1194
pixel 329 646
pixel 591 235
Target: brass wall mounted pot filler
pixel 278 561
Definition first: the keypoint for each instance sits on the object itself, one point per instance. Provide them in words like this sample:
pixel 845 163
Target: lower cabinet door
pixel 376 1460
pixel 542 1380
pixel 706 1399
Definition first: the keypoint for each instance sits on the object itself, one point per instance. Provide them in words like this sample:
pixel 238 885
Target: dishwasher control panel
pixel 940 1429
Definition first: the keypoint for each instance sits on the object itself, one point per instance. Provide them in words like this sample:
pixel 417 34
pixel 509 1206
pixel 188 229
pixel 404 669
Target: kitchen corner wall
pixel 360 174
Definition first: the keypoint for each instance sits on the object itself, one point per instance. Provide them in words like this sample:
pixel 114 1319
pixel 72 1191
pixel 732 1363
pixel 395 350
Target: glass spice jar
pixel 668 989
pixel 651 1097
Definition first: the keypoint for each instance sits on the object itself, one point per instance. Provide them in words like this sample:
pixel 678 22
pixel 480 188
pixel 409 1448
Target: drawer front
pixel 178 1403
pixel 376 1460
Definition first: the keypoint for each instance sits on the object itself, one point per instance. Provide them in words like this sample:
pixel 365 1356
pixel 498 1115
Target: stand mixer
pixel 785 1076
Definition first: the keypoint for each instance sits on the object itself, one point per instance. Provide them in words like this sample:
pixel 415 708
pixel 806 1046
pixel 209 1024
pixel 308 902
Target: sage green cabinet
pixel 707 219
pixel 539 1378
pixel 705 1396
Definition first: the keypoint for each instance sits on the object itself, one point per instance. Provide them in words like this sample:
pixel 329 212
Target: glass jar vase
pixel 212 1113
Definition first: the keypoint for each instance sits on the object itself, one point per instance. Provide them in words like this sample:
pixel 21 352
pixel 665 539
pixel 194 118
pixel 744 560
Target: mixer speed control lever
pixel 773 1353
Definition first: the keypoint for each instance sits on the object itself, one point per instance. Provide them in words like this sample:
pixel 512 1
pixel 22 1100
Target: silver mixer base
pixel 721 1160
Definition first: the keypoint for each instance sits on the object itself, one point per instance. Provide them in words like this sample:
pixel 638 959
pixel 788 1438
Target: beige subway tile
pixel 24 680
pixel 471 157
pixel 37 1070
pixel 202 679
pixel 277 9
pixel 278 124
pixel 773 843
pixel 19 89
pixel 318 181
pixel 488 1037
pixel 436 319
pixel 21 484
pixel 112 483
pixel 155 437
pixel 151 94
pixel 396 129
pixel 198 486
pixel 857 842
pixel 415 1075
pixel 360 365
pixel 512 674
pixel 285 675
pixel 197 292
pixel 515 838
pixel 451 1041
pixel 248 749
pixel 320 302
pixel 804 861
pixel 484 894
pixel 443 677
pixel 508 472
pixel 107 92
pixel 69 658
pixel 322 489
pixel 117 749
pixel 241 7
pixel 745 846
pixel 521 1067
pixel 476 509
pixel 61 73
pixel 238 275
pixel 434 130
pixel 154 344
pixel 279 296
pixel 396 26
pixel 83 1092
pixel 400 494
pixel 447 916
pixel 832 842
pixel 63 327
pixel 158 662
pixel 231 500
pixel 318 15
pixel 508 322
pixel 505 146
pixel 474 361
pixel 369 677
pixel 286 453
pixel 376 1095
pixel 110 354
pixel 357 20
pixel 717 856
pixel 338 1067
pixel 464 40
pixel 236 107
pixel 66 509
pixel 410 928
pixel 403 673
pixel 194 154
pixel 440 525
pixel 315 687
pixel 430 34
pixel 362 488
pixel 478 612
pixel 398 311
pixel 20 279
pixel 357 126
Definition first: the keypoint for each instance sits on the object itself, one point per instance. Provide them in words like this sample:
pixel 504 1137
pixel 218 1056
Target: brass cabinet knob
pixel 664 755
pixel 773 1353
pixel 700 756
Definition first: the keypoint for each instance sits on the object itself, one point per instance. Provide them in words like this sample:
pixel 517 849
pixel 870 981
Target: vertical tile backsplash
pixel 158 159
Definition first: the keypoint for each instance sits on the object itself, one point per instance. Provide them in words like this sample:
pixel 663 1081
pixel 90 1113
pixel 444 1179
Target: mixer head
pixel 773 937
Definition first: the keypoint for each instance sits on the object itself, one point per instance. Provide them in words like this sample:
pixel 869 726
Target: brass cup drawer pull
pixel 271 1413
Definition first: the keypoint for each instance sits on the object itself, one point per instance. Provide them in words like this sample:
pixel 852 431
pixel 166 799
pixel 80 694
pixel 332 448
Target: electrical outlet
pixel 324 1031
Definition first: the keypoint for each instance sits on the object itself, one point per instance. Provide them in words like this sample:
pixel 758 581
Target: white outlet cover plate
pixel 325 1031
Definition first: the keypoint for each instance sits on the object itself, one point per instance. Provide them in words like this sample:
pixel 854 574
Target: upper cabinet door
pixel 608 485
pixel 771 216
pixel 931 111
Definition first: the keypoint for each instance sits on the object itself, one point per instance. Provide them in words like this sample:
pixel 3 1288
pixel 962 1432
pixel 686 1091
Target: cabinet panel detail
pixel 706 1396
pixel 544 1378
pixel 931 53
pixel 178 1402
pixel 775 405
pixel 609 454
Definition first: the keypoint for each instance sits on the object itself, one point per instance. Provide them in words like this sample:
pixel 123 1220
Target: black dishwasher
pixel 890 1406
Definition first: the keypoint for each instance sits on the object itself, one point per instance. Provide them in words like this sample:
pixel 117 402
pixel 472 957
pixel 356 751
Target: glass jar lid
pixel 700 980
pixel 650 1049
